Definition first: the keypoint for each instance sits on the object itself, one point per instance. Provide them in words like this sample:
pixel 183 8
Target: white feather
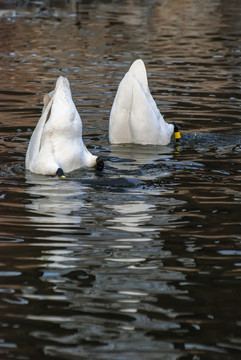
pixel 134 116
pixel 57 139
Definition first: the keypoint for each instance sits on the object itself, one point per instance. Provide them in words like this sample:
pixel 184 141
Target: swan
pixel 134 116
pixel 56 146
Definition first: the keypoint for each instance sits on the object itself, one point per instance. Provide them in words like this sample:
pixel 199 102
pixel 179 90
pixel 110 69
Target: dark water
pixel 142 261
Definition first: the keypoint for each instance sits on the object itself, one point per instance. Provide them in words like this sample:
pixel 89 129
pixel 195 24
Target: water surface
pixel 142 261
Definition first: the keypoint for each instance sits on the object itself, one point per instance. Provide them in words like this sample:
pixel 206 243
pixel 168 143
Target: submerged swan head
pixel 56 142
pixel 134 116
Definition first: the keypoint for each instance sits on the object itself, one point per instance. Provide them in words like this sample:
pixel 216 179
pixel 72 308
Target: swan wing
pixel 144 122
pixel 138 70
pixel 119 124
pixel 35 140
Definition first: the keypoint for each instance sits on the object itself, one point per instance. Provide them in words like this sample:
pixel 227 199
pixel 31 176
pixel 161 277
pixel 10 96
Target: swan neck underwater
pixel 56 146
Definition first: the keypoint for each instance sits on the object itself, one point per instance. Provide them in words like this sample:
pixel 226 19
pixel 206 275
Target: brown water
pixel 144 260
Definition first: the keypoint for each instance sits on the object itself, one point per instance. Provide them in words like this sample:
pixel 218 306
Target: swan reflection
pixel 140 217
pixel 147 154
pixel 131 216
pixel 54 203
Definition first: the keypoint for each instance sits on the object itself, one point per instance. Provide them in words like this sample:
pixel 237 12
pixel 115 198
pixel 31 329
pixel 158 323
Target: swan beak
pixel 177 134
pixel 99 164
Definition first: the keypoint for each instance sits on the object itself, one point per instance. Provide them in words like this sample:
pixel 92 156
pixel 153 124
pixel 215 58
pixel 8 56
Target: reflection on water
pixel 132 216
pixel 143 260
pixel 54 202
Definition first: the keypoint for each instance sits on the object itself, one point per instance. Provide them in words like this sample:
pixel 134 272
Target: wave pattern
pixel 142 261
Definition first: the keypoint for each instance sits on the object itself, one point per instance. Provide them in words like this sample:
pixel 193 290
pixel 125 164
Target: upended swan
pixel 134 116
pixel 56 145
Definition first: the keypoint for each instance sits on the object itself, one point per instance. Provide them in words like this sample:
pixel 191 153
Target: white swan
pixel 134 116
pixel 56 145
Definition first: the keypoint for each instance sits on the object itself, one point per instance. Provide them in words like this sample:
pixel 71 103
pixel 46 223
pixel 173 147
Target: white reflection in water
pixel 139 216
pixel 139 154
pixel 54 201
pixel 132 216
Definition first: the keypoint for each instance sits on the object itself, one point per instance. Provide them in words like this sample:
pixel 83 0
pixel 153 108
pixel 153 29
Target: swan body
pixel 134 116
pixel 56 142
